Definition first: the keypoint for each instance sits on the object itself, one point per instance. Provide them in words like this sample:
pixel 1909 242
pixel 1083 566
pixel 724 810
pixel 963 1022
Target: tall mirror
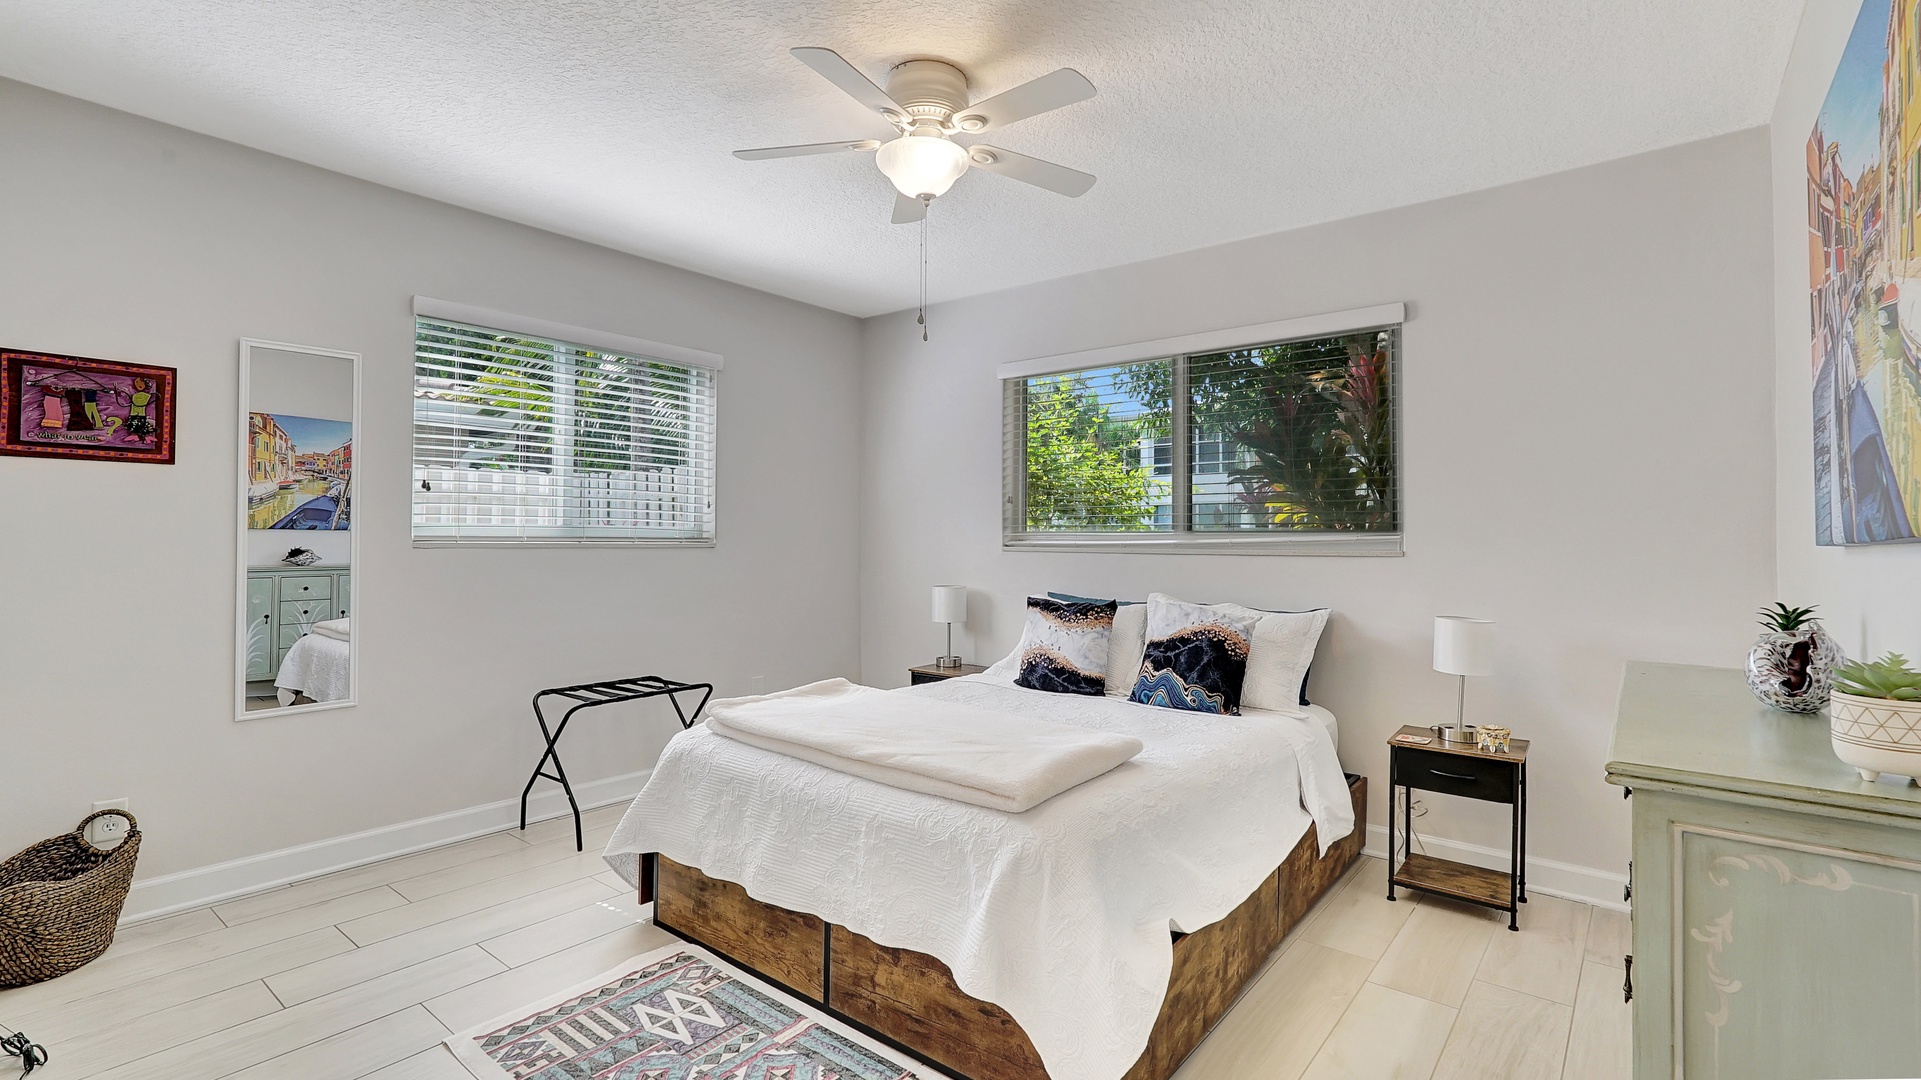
pixel 299 410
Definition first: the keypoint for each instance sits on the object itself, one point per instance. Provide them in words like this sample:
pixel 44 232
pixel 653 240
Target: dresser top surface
pixel 1699 727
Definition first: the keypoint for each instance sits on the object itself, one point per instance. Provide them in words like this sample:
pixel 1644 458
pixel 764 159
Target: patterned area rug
pixel 677 1013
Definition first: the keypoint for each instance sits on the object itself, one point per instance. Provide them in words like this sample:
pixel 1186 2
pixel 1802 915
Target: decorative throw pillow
pixel 1196 657
pixel 1064 646
pixel 1124 645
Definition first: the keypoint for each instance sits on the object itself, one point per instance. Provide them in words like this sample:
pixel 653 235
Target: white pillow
pixel 1125 645
pixel 1278 658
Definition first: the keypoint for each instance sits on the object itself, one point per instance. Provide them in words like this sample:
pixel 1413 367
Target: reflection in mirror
pixel 299 409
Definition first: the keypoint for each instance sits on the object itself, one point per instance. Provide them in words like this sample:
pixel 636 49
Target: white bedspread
pixel 1003 761
pixel 318 667
pixel 1059 915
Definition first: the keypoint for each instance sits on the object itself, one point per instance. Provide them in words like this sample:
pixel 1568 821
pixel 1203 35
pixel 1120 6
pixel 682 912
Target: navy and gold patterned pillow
pixel 1196 657
pixel 1064 646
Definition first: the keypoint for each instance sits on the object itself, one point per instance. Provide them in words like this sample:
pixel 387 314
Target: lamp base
pixel 947 661
pixel 1456 735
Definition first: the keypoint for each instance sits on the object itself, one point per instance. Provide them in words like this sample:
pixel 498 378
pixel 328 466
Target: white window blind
pixel 524 439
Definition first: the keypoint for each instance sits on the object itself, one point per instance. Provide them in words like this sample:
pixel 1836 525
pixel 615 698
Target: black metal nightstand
pixel 927 673
pixel 1472 773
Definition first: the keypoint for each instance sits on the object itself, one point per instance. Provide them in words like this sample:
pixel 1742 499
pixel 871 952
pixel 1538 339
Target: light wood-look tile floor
pixel 361 974
pixel 1427 989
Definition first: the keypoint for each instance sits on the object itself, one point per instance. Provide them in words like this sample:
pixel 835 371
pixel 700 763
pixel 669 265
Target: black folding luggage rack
pixel 609 692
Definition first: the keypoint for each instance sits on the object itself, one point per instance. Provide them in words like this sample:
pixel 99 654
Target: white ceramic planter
pixel 1876 735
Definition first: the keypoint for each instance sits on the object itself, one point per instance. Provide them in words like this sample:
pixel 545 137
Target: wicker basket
pixel 59 902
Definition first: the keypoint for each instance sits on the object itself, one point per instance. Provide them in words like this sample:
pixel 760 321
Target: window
pixel 1288 443
pixel 526 438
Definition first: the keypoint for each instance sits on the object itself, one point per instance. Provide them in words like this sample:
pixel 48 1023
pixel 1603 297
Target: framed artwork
pixel 1864 305
pixel 70 406
pixel 299 472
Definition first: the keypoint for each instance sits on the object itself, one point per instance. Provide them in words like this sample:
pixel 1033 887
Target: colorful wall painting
pixel 299 472
pixel 1864 270
pixel 71 406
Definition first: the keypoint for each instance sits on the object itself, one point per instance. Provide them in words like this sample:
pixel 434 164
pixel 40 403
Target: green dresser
pixel 283 604
pixel 1776 895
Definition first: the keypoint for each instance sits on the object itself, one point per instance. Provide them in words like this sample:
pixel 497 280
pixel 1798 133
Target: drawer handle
pixel 1455 776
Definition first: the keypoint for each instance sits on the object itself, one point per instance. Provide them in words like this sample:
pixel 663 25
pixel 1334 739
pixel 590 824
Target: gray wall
pixel 1588 458
pixel 1867 594
pixel 128 239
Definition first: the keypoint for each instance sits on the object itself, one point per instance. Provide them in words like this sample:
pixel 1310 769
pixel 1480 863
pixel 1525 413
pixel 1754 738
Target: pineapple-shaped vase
pixel 1791 666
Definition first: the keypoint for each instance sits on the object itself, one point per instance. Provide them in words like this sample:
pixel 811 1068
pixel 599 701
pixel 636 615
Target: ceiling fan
pixel 927 101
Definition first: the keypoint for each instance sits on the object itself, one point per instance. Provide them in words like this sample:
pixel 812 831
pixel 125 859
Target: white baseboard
pixel 1566 880
pixel 153 897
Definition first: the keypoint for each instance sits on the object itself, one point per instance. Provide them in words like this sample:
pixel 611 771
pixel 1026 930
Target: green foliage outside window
pixel 1084 471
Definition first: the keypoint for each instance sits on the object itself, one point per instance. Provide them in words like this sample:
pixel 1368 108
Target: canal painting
pixel 299 472
pixel 1864 263
pixel 71 406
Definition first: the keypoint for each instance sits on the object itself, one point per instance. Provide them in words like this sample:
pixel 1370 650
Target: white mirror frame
pixel 247 345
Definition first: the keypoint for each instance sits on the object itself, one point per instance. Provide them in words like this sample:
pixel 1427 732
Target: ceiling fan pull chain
pixel 923 272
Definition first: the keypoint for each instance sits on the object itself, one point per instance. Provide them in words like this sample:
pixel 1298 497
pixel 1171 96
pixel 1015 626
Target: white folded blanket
pixel 333 628
pixel 994 759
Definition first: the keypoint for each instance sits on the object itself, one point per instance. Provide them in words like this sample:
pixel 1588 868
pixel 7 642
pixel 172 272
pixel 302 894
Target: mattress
pixel 1060 914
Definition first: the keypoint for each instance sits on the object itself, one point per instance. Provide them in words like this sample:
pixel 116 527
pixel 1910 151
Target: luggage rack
pixel 588 695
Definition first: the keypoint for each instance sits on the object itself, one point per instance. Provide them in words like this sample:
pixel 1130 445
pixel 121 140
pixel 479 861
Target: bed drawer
pixel 787 946
pixel 911 998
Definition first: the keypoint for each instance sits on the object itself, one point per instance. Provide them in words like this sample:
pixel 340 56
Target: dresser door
pixel 1799 957
pixel 260 635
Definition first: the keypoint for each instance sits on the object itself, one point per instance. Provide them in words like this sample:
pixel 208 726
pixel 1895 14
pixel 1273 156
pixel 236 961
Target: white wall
pixel 131 240
pixel 1588 458
pixel 1867 594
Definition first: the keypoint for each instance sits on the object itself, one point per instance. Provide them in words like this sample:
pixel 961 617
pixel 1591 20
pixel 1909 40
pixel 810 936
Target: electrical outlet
pixel 108 831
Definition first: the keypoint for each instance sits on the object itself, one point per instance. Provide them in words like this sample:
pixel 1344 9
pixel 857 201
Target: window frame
pixel 566 340
pixel 1183 539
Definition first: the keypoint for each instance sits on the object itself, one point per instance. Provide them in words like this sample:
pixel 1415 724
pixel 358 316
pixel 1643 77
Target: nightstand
pixel 1471 773
pixel 927 673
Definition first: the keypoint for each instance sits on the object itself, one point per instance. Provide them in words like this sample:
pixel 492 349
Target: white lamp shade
pixel 950 603
pixel 1463 646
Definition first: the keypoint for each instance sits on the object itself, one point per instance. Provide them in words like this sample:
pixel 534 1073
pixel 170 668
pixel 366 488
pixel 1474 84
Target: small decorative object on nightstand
pixel 950 607
pixel 927 673
pixel 1416 759
pixel 1491 739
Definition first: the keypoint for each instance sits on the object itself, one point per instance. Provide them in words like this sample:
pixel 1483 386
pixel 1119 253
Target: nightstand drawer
pixel 1454 774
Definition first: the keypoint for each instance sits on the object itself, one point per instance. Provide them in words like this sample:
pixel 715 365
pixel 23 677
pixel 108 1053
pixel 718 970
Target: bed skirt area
pixel 909 999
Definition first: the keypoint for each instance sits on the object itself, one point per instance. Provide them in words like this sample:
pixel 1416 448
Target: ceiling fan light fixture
pixel 922 165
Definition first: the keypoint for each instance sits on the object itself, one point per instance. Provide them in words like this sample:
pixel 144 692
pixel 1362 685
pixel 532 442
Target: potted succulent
pixel 1791 666
pixel 1875 717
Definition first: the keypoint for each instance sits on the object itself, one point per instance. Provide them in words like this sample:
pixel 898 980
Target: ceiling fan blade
pixel 838 71
pixel 809 148
pixel 1045 94
pixel 908 209
pixel 1029 170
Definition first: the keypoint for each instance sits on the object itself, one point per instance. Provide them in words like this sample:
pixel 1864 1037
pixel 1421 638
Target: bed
pixel 318 666
pixel 1096 936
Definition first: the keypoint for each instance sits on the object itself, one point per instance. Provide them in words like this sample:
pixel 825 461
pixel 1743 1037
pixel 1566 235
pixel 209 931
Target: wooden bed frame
pixel 909 999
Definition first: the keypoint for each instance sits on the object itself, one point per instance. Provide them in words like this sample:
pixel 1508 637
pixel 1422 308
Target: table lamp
pixel 950 607
pixel 1462 647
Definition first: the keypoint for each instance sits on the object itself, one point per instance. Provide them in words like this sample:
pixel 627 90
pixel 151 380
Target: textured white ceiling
pixel 1217 119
